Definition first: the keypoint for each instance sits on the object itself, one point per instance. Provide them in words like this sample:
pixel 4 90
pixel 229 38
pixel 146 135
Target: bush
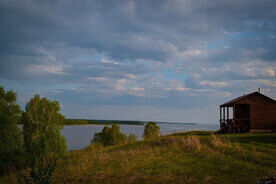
pixel 151 131
pixel 110 136
pixel 117 136
pixel 40 172
pixel 11 138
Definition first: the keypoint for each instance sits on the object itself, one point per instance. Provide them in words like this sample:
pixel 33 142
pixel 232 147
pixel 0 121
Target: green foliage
pixel 41 123
pixel 42 139
pixel 110 136
pixel 105 137
pixel 117 136
pixel 100 122
pixel 40 172
pixel 11 138
pixel 151 130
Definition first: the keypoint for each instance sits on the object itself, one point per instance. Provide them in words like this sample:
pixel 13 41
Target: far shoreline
pixel 129 124
pixel 99 124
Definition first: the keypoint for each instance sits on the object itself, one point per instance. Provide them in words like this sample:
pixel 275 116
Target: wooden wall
pixel 263 117
pixel 262 112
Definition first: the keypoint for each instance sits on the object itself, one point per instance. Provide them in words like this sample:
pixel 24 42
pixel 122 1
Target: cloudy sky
pixel 173 60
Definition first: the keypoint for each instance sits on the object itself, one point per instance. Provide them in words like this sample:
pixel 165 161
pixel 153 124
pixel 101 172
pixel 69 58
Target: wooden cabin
pixel 253 112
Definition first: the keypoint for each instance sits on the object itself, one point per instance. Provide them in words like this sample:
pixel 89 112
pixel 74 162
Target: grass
pixel 191 157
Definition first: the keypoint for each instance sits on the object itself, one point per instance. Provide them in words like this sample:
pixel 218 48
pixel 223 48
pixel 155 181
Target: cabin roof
pixel 235 100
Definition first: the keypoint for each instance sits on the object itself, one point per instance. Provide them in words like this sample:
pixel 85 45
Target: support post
pixel 224 114
pixel 234 118
pixel 220 118
pixel 220 114
pixel 227 113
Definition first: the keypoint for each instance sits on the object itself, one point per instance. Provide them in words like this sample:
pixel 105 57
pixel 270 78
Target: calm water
pixel 79 136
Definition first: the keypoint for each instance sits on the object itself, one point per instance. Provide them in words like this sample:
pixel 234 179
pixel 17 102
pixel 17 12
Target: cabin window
pixel 242 111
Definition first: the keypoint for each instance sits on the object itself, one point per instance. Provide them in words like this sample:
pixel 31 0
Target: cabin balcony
pixel 235 118
pixel 226 125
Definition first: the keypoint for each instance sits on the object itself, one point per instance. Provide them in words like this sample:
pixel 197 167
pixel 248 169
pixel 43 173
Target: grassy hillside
pixel 193 157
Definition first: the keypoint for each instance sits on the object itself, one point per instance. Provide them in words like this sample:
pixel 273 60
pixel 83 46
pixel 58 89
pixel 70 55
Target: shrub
pixel 40 171
pixel 117 136
pixel 151 131
pixel 11 138
pixel 110 136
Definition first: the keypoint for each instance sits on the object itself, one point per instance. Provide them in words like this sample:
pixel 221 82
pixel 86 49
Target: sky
pixel 173 60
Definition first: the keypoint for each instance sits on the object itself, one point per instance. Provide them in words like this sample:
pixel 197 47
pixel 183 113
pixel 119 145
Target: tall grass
pixel 125 160
pixel 178 158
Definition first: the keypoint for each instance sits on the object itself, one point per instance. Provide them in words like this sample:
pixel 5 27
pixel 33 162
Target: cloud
pixel 213 83
pixel 269 72
pixel 166 54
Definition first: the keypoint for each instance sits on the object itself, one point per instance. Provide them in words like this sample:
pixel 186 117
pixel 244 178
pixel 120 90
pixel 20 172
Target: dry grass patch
pixel 202 158
pixel 193 142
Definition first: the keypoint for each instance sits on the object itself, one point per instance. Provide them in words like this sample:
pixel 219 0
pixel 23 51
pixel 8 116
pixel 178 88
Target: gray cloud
pixel 176 54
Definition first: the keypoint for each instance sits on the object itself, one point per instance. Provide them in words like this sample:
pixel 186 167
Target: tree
pixel 11 138
pixel 151 130
pixel 106 136
pixel 117 136
pixel 42 123
pixel 42 139
pixel 110 136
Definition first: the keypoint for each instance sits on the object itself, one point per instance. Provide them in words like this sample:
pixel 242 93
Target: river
pixel 79 136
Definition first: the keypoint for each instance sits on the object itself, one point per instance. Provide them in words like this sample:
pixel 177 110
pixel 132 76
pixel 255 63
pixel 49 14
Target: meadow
pixel 188 157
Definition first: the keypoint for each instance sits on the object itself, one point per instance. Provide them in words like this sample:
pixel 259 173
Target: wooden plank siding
pixel 263 117
pixel 262 112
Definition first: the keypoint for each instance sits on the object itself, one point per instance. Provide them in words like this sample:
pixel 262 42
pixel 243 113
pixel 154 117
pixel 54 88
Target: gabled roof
pixel 231 102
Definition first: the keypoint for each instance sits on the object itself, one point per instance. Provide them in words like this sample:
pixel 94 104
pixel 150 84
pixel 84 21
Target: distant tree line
pixel 102 122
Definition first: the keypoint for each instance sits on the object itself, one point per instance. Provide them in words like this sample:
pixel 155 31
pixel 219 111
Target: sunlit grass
pixel 180 158
pixel 191 157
